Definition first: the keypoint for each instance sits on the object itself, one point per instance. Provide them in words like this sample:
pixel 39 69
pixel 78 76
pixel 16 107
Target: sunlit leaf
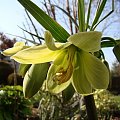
pixel 88 14
pixel 58 32
pixel 99 12
pixel 81 15
pixel 107 15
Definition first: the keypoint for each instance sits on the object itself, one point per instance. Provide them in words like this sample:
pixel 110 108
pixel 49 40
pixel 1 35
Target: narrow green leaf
pixel 116 51
pixel 105 15
pixel 58 32
pixel 109 43
pixel 81 15
pixel 98 13
pixel 107 65
pixel 110 39
pixel 34 79
pixel 88 15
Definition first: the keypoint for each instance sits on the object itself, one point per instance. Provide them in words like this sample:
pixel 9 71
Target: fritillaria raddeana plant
pixel 65 59
pixel 72 62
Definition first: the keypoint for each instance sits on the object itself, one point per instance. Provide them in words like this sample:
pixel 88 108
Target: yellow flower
pixel 72 62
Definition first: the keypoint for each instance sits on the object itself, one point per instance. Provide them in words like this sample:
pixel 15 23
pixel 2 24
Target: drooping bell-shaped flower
pixel 72 62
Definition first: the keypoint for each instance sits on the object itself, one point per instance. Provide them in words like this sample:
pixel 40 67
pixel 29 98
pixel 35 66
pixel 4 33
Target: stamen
pixel 65 73
pixel 62 75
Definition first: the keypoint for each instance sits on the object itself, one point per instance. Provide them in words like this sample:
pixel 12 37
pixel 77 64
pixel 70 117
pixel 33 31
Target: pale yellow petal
pixel 51 44
pixel 87 41
pixel 36 54
pixel 96 72
pixel 16 48
pixel 79 78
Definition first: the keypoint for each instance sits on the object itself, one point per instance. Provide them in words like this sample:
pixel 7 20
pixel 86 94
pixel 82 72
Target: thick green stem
pixel 90 107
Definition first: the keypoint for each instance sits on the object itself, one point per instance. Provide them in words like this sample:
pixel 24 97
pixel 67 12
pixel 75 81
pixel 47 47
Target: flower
pixel 72 62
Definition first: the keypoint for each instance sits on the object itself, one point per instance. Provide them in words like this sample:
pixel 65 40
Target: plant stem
pixel 90 107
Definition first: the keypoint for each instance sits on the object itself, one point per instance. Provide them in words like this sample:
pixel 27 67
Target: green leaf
pixel 58 32
pixel 106 64
pixel 34 79
pixel 108 14
pixel 81 15
pixel 116 51
pixel 109 43
pixel 87 41
pixel 99 13
pixel 36 54
pixel 88 14
pixel 23 68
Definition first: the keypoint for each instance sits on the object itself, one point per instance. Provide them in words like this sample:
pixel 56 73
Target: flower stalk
pixel 90 107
